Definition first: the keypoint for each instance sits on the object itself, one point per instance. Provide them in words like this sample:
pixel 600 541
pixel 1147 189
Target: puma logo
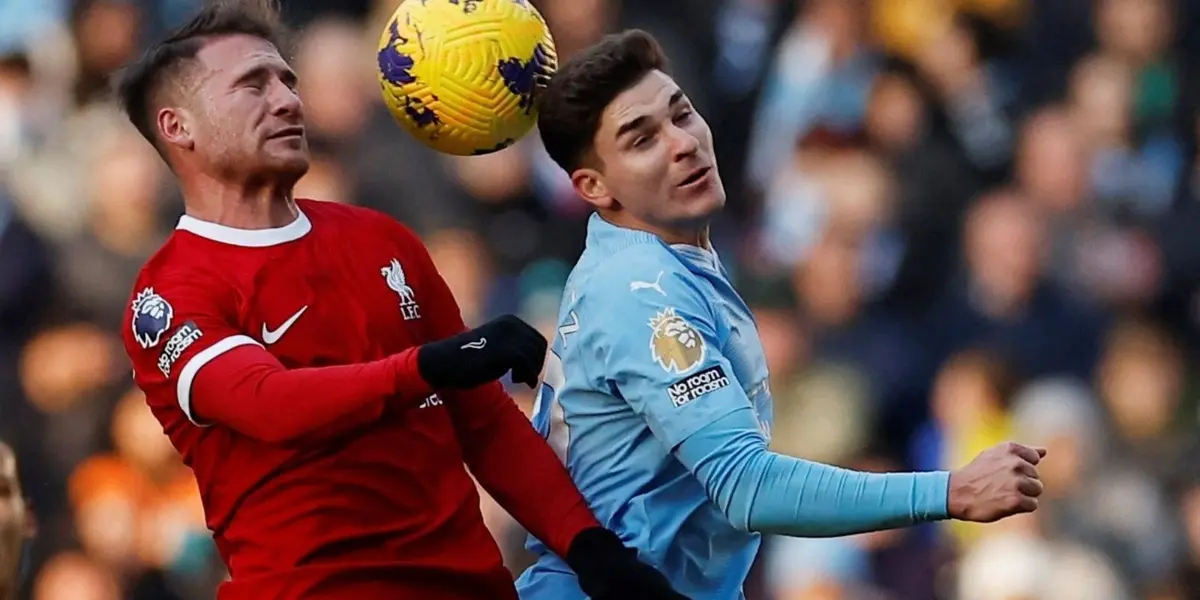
pixel 648 285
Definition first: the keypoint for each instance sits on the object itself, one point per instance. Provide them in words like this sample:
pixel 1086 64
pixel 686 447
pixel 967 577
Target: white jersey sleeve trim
pixel 183 390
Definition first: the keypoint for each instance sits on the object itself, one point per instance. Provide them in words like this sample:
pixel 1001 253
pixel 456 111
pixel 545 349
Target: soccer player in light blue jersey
pixel 655 394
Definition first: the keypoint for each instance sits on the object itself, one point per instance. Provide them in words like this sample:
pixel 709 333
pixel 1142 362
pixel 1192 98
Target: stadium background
pixel 957 221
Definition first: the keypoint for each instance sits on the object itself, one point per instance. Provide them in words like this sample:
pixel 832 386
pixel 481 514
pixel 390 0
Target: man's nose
pixel 286 101
pixel 683 143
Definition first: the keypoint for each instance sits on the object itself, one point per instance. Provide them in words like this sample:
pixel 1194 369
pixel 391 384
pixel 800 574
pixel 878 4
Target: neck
pixel 244 206
pixel 689 235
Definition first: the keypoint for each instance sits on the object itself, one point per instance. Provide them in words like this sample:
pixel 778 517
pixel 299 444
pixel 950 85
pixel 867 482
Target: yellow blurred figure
pixel 905 27
pixel 969 403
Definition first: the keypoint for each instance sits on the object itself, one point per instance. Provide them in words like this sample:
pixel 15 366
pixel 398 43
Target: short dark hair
pixel 140 83
pixel 570 107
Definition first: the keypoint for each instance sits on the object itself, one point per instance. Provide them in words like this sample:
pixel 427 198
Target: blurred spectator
pixel 818 85
pixel 970 414
pixel 1097 495
pixel 1188 580
pixel 1017 566
pixel 107 36
pixel 1141 383
pixel 122 204
pixel 73 576
pixel 1004 297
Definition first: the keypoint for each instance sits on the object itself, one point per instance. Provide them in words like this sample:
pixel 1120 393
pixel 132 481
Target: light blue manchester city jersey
pixel 653 344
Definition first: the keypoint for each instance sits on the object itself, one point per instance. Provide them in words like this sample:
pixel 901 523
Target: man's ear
pixel 591 186
pixel 175 127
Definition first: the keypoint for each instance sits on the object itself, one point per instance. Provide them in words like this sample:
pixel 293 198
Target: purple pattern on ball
pixel 520 77
pixel 396 66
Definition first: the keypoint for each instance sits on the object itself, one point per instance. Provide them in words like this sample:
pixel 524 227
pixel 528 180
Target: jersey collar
pixel 250 238
pixel 602 234
pixel 613 238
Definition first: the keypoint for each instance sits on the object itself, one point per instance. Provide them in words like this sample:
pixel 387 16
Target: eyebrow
pixel 638 122
pixel 628 126
pixel 286 74
pixel 676 98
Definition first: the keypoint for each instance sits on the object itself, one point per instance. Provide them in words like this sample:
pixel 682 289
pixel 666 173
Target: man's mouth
pixel 695 176
pixel 287 132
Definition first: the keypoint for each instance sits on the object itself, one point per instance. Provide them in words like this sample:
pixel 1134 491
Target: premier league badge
pixel 152 316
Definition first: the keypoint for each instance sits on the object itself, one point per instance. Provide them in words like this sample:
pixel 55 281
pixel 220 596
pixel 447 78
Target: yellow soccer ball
pixel 461 75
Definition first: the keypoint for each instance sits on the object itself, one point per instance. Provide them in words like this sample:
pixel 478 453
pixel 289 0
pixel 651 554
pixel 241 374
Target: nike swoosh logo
pixel 477 345
pixel 271 336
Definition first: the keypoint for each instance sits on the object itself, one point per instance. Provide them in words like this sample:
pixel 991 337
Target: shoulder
pixel 643 275
pixel 176 280
pixel 180 264
pixel 638 293
pixel 359 219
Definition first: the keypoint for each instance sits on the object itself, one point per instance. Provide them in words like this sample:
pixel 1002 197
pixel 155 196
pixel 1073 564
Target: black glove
pixel 486 353
pixel 607 570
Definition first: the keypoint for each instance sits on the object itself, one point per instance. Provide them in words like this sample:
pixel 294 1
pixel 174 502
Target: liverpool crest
pixel 394 275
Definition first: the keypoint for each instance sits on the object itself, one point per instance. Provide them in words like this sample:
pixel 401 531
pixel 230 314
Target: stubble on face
pixel 234 97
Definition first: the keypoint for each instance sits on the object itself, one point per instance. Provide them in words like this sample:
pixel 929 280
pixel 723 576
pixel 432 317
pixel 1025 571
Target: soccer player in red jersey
pixel 310 364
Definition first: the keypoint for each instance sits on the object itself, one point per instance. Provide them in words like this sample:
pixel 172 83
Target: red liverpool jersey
pixel 376 505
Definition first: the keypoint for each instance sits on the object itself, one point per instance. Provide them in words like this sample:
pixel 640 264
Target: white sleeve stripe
pixel 183 389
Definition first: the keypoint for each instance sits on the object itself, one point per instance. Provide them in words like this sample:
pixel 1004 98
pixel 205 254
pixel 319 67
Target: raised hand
pixel 1002 481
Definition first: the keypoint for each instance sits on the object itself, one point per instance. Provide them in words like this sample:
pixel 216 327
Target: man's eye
pixel 683 116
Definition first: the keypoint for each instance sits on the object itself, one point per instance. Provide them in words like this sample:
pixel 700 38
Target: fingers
pixel 521 348
pixel 1030 455
pixel 1027 505
pixel 528 378
pixel 528 368
pixel 1024 468
pixel 1030 487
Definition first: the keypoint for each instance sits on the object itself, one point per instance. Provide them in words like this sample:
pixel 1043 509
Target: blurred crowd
pixel 957 221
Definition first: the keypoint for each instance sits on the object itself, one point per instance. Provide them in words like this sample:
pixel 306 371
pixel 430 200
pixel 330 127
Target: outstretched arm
pixel 760 490
pixel 186 349
pixel 248 390
pixel 669 366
